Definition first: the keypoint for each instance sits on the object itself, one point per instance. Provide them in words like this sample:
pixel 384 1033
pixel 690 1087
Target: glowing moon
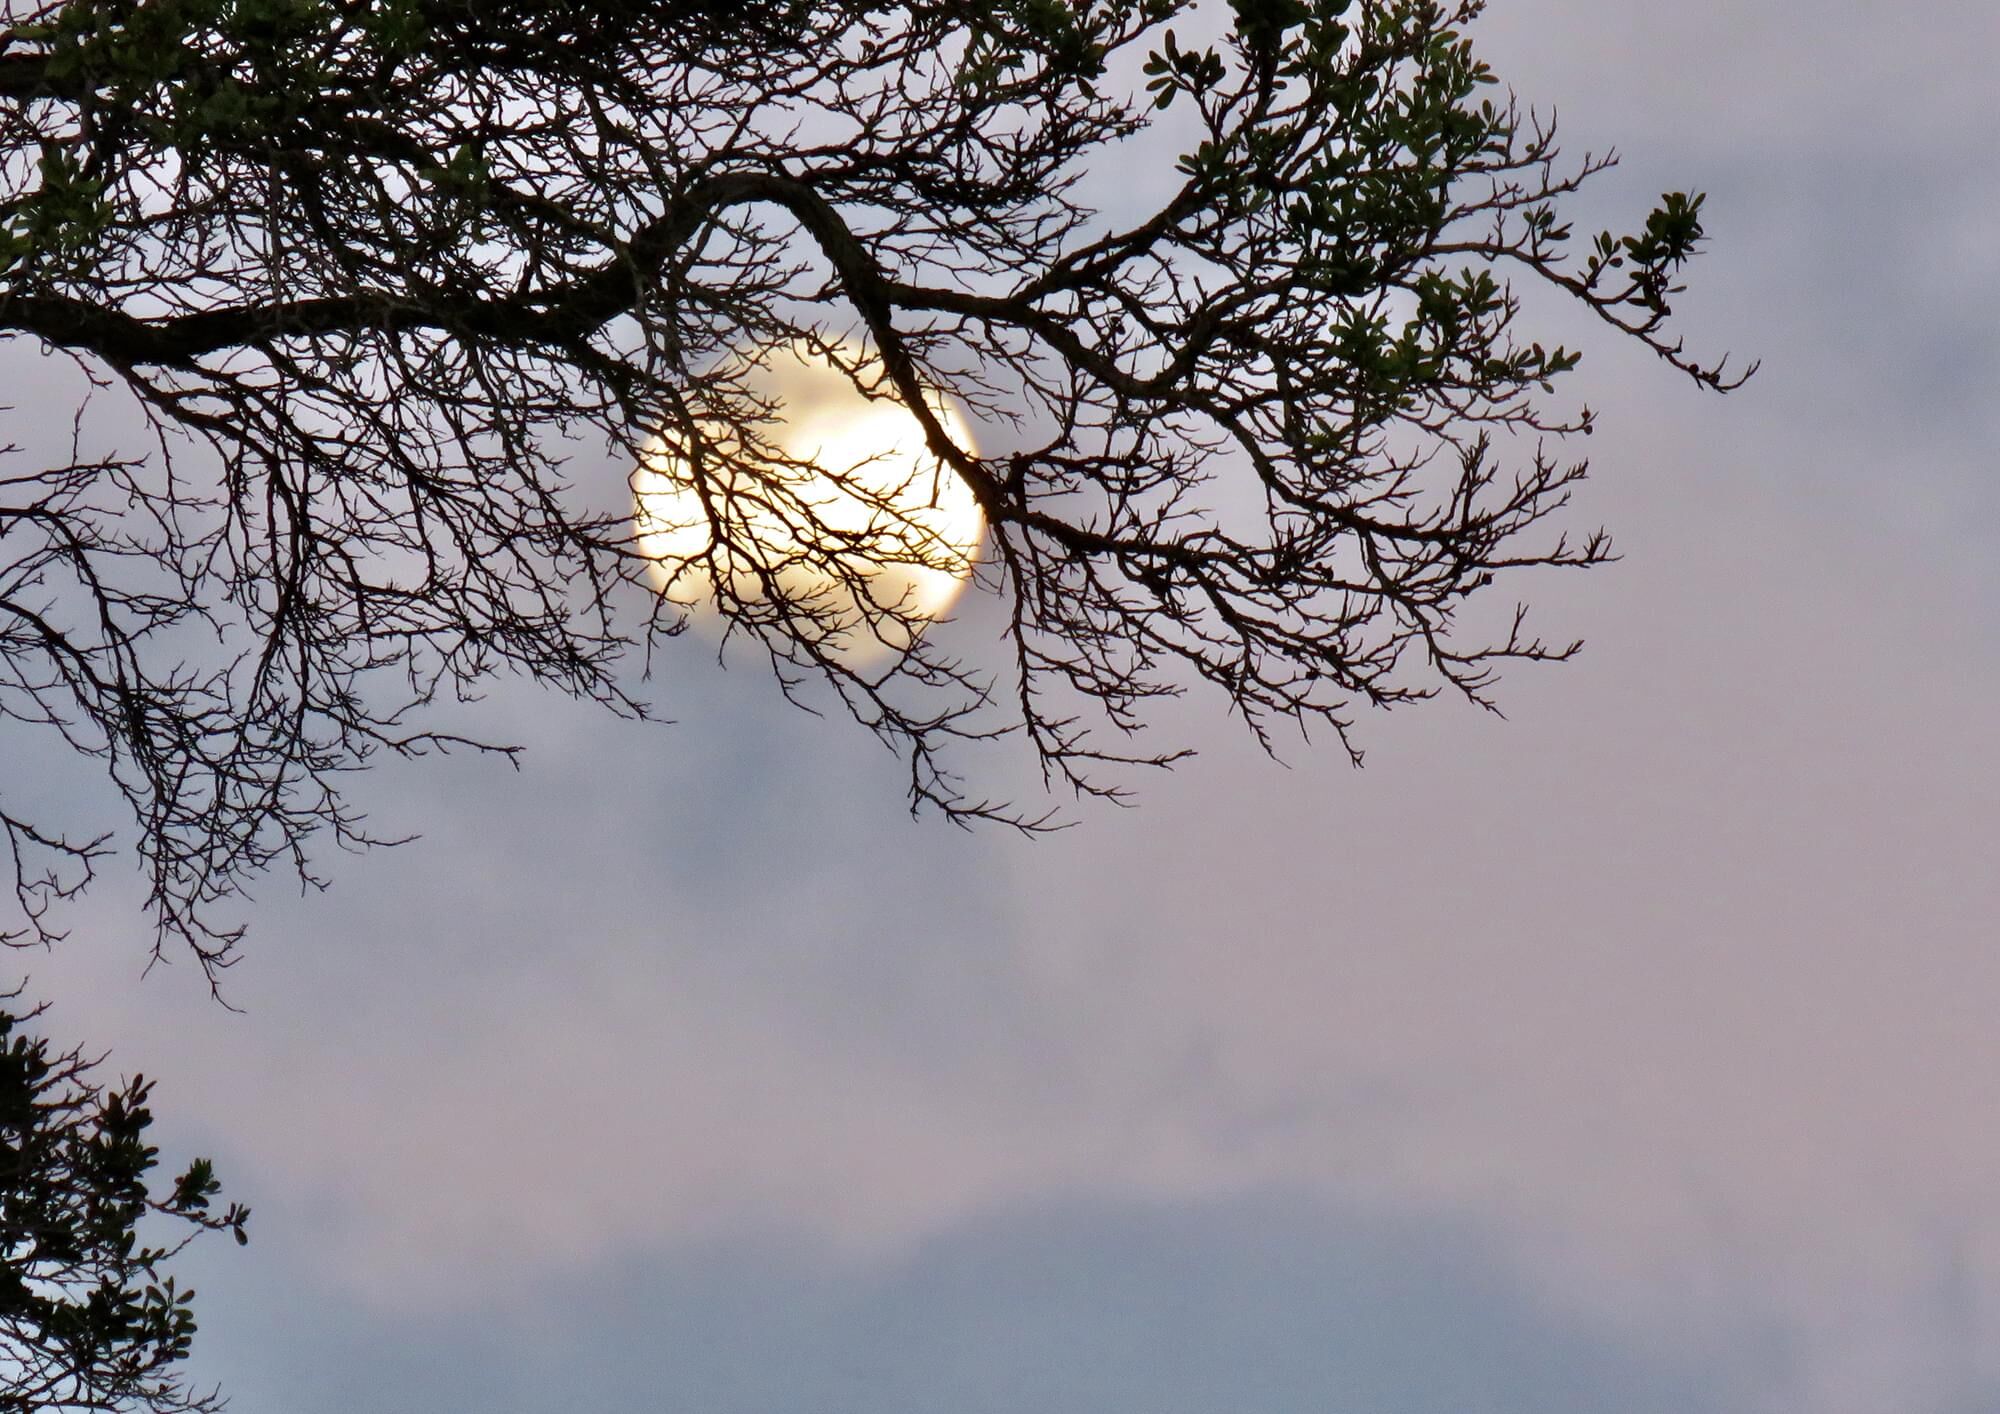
pixel 851 502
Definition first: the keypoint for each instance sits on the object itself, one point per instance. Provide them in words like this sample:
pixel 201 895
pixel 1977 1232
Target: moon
pixel 844 500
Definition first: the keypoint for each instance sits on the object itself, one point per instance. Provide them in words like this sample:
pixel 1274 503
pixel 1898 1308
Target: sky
pixel 1634 1052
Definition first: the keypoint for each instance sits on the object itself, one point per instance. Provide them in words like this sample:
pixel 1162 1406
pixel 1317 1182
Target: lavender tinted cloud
pixel 1675 988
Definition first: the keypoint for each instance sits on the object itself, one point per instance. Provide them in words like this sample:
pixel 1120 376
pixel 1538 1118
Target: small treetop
pixel 89 1317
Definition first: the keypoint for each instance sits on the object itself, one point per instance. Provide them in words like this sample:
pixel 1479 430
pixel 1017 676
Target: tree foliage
pixel 88 1317
pixel 376 272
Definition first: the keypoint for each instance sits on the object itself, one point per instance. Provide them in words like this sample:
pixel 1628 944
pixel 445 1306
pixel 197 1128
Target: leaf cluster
pixel 89 1318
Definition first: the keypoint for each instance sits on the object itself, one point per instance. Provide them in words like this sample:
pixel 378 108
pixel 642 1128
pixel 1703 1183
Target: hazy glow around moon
pixel 889 514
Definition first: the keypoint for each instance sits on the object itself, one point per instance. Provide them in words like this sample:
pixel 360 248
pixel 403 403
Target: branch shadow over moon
pixel 837 509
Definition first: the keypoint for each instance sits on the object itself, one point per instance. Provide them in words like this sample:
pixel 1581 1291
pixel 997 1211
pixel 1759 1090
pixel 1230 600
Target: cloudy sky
pixel 1636 1052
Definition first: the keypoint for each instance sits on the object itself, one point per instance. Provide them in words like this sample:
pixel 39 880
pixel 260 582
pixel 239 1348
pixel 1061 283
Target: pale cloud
pixel 1678 984
pixel 1677 987
pixel 1756 76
